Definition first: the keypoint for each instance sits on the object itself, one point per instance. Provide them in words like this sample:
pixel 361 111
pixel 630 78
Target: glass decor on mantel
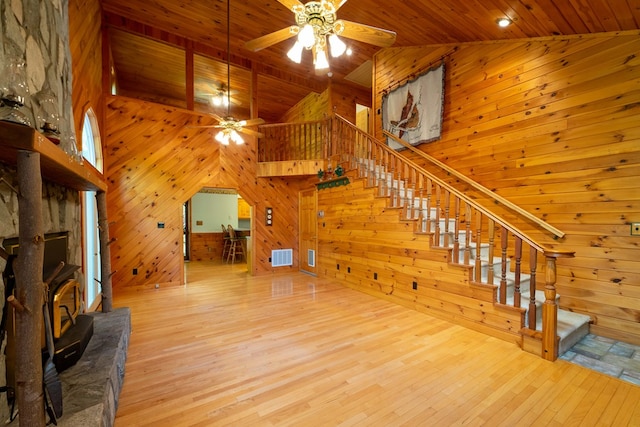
pixel 48 117
pixel 13 91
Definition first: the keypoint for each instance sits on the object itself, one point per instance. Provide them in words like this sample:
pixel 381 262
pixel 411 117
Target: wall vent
pixel 311 258
pixel 281 257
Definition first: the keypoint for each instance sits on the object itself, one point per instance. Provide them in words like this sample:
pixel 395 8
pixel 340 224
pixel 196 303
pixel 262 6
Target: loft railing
pixel 498 254
pixel 294 141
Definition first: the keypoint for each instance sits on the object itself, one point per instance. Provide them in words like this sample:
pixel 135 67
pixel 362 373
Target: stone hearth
pixel 92 386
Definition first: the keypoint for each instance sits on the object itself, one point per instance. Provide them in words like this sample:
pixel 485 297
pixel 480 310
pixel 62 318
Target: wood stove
pixel 71 329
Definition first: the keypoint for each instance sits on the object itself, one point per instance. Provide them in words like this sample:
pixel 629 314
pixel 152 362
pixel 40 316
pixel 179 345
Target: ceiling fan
pixel 219 95
pixel 230 128
pixel 318 28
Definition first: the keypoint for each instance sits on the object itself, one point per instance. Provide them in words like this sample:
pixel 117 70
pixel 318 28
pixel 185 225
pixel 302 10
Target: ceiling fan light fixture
pixel 321 61
pixel 235 137
pixel 338 47
pixel 306 36
pixel 295 53
pixel 222 137
pixel 220 99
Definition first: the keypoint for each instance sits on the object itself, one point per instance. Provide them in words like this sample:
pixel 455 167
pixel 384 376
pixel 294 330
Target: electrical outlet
pixel 348 269
pixel 635 228
pixel 135 271
pixel 375 276
pixel 415 286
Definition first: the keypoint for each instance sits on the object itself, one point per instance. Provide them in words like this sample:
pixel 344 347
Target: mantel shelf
pixel 56 165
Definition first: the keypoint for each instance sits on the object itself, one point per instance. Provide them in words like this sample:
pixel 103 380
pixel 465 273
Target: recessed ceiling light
pixel 503 22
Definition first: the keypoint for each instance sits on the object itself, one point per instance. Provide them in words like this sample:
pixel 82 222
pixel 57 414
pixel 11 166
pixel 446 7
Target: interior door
pixel 308 230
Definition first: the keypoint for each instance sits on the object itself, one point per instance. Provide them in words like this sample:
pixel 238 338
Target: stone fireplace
pixel 61 213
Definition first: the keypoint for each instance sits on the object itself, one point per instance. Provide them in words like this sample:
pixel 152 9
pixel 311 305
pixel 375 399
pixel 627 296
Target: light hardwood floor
pixel 228 349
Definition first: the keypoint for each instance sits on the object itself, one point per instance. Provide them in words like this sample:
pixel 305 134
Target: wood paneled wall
pixel 345 97
pixel 552 125
pixel 337 98
pixel 315 106
pixel 364 244
pixel 155 163
pixel 85 39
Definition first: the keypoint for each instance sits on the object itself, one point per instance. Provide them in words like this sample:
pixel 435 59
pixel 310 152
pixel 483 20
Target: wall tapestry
pixel 413 111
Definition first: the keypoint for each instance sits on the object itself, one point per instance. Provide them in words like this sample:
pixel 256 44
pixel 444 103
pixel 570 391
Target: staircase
pixel 499 261
pixel 446 233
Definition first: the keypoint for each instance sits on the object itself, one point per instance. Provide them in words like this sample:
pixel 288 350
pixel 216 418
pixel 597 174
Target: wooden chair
pixel 227 242
pixel 237 245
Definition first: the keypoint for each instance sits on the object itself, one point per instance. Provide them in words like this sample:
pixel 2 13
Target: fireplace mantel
pixel 56 165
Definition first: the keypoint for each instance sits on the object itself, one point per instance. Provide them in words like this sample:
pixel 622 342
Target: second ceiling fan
pixel 230 127
pixel 318 29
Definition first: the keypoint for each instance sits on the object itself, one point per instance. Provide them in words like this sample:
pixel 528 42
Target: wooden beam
pixel 190 95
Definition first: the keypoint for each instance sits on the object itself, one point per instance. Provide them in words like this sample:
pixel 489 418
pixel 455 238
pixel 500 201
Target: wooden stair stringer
pixel 518 315
pixel 483 316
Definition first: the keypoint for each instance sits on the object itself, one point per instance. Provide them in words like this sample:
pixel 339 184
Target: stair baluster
pixel 504 236
pixel 491 235
pixel 427 224
pixel 533 262
pixel 436 221
pixel 447 213
pixel 456 232
pixel 467 240
pixel 478 264
pixel 518 256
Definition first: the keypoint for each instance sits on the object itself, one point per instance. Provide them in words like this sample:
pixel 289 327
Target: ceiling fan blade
pixel 337 4
pixel 271 38
pixel 253 122
pixel 367 34
pixel 215 116
pixel 251 132
pixel 290 3
pixel 203 127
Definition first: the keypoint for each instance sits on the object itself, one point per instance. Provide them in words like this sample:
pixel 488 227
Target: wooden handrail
pixel 477 186
pixel 459 194
pixel 276 125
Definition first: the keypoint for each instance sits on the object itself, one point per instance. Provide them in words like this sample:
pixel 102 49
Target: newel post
pixel 550 308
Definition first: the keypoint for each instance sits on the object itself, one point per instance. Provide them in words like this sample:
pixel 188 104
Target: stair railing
pixel 496 197
pixel 470 231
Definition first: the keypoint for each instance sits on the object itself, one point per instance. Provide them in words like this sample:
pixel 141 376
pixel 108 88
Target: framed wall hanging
pixel 413 111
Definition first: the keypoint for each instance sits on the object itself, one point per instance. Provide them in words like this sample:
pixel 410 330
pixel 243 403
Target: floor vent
pixel 281 257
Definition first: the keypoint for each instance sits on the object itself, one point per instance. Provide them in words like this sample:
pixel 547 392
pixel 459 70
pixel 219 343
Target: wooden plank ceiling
pixel 150 42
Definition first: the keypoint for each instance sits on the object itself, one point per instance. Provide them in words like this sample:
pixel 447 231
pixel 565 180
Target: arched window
pixel 92 153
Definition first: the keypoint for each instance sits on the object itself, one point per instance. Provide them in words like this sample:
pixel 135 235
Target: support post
pixel 29 291
pixel 105 253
